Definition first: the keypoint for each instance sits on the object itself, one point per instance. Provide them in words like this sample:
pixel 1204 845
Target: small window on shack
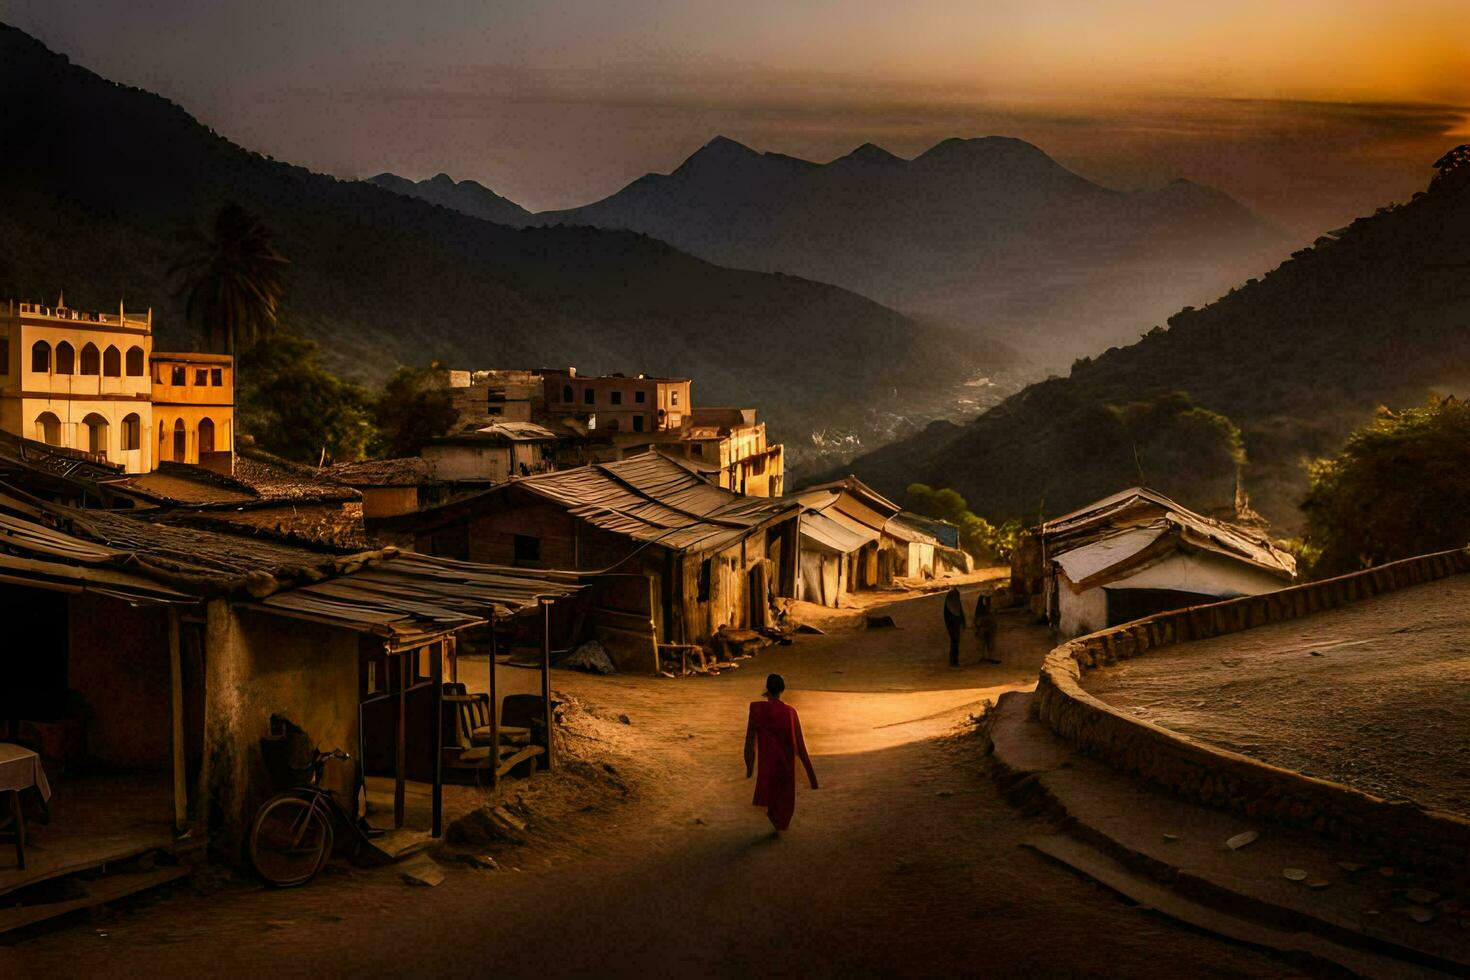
pixel 704 580
pixel 178 374
pixel 201 376
pixel 527 549
pixel 217 377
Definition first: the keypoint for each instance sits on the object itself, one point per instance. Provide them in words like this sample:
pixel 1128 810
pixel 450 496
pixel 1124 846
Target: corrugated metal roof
pixel 651 498
pixel 820 530
pixel 403 597
pixel 1139 507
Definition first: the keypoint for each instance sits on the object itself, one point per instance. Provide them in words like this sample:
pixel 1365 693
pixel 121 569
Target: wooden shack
pixel 670 558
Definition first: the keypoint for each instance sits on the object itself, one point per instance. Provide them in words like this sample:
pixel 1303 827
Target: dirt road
pixel 906 862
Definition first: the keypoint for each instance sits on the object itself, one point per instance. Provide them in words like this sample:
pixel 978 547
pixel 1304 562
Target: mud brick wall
pixel 1214 777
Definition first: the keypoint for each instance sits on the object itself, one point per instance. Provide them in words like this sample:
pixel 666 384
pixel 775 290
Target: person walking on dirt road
pixel 985 626
pixel 954 621
pixel 775 728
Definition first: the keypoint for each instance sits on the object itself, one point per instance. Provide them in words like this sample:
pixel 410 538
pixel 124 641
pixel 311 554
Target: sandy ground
pixel 644 857
pixel 1373 695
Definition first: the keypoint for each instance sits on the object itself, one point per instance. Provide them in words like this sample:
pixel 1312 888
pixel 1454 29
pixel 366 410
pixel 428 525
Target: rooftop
pixel 403 598
pixel 61 312
pixel 648 497
pixel 406 471
pixel 1131 525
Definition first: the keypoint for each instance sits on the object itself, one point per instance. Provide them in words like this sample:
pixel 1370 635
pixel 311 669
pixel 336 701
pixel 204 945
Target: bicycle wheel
pixel 290 841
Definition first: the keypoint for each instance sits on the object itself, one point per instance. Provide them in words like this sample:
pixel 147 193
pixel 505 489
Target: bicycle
pixel 291 838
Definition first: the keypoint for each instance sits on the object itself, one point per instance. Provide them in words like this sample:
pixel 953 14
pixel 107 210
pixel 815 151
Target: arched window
pixel 96 432
pixel 181 450
pixel 41 357
pixel 135 362
pixel 66 358
pixel 206 437
pixel 91 360
pixel 163 431
pixel 566 393
pixel 132 432
pixel 112 362
pixel 48 428
pixel 612 425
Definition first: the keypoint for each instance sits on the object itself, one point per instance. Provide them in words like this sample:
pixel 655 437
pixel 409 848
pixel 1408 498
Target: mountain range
pixel 103 187
pixel 988 234
pixel 1260 382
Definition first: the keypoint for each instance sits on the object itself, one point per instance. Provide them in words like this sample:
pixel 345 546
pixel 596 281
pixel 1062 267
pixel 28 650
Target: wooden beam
pixel 437 824
pixel 400 755
pixel 176 673
pixel 546 680
pixel 494 712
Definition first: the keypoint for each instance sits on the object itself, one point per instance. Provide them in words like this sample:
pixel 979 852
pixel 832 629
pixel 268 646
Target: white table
pixel 20 769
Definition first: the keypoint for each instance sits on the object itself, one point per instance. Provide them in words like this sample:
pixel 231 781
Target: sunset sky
pixel 1312 111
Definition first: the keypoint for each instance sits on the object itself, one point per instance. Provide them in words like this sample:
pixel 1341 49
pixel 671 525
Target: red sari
pixel 776 732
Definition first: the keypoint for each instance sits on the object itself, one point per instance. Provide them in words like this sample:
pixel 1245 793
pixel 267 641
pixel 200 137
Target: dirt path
pixel 906 862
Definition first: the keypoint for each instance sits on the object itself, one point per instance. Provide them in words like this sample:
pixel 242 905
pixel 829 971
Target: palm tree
pixel 233 281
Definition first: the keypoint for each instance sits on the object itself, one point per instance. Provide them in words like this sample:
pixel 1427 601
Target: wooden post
pixel 494 712
pixel 176 670
pixel 546 678
pixel 400 760
pixel 437 825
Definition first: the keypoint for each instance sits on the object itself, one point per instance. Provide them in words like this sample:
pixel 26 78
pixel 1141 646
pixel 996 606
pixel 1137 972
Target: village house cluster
pixel 202 609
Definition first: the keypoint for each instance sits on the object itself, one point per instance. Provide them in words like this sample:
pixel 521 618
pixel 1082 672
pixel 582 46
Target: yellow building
pixel 78 380
pixel 92 382
pixel 193 407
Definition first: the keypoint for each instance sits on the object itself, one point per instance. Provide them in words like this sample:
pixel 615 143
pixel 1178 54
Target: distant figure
pixel 985 629
pixel 954 621
pixel 774 726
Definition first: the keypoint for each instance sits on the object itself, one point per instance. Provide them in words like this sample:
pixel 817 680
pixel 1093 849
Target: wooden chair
pixel 14 827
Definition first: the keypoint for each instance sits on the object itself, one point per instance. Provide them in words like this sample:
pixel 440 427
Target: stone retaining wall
pixel 1227 780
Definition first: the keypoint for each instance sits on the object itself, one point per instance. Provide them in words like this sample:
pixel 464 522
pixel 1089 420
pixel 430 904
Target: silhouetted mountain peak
pixel 723 157
pixel 466 196
pixel 1002 155
pixel 868 157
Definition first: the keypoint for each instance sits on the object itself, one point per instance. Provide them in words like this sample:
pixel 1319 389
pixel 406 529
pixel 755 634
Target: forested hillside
pixel 1374 313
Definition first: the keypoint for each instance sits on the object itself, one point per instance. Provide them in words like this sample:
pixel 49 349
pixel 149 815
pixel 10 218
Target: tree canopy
pixel 234 279
pixel 1399 487
pixel 981 539
pixel 295 408
pixel 415 406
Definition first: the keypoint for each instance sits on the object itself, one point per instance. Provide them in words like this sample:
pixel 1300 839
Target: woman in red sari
pixel 775 728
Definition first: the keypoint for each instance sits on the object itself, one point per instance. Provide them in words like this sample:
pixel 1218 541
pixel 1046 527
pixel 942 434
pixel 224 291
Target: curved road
pixel 906 862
